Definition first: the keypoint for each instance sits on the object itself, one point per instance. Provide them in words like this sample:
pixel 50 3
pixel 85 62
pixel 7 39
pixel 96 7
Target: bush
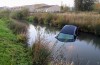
pixel 33 19
pixel 48 18
pixel 60 21
pixel 30 18
pixel 17 27
pixel 40 20
pixel 4 13
pixel 97 29
pixel 20 14
pixel 97 7
pixel 40 52
pixel 21 38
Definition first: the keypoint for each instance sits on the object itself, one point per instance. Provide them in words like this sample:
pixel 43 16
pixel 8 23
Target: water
pixel 84 51
pixel 32 34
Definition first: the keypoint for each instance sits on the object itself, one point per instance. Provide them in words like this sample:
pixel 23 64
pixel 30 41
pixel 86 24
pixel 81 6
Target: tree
pixel 77 5
pixel 64 8
pixel 97 7
pixel 84 5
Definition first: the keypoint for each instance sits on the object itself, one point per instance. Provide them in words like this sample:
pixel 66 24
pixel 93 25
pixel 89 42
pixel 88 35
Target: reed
pixel 4 14
pixel 20 14
pixel 17 27
pixel 40 52
pixel 86 22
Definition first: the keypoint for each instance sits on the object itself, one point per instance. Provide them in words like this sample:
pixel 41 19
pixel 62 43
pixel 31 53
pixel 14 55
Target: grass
pixel 17 27
pixel 13 35
pixel 4 14
pixel 19 14
pixel 86 22
pixel 40 52
pixel 11 51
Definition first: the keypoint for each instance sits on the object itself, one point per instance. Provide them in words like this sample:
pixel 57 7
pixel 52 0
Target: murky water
pixel 84 51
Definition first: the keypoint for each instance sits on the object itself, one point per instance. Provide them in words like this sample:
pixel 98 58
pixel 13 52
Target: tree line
pixel 85 5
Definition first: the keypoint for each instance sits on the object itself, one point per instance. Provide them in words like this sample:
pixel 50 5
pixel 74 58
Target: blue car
pixel 67 34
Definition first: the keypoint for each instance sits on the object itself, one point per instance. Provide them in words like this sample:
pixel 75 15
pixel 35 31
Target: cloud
pixel 12 3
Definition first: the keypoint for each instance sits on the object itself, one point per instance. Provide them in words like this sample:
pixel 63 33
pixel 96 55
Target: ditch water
pixel 84 51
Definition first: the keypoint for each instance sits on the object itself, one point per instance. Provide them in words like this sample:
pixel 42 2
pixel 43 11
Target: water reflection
pixel 90 39
pixel 32 34
pixel 85 49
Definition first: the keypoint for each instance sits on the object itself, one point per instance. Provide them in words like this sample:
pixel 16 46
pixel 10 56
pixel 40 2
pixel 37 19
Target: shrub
pixel 97 29
pixel 17 27
pixel 48 19
pixel 4 13
pixel 33 19
pixel 40 52
pixel 97 7
pixel 40 20
pixel 21 38
pixel 20 14
pixel 60 21
pixel 30 18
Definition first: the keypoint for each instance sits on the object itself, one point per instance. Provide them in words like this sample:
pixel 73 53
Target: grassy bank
pixel 12 52
pixel 13 49
pixel 86 22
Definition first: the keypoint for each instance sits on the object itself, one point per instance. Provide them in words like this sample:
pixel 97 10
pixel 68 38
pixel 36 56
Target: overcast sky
pixel 12 3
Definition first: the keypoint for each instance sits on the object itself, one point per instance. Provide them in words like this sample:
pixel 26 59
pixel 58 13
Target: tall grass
pixel 32 19
pixel 4 14
pixel 43 54
pixel 20 14
pixel 17 27
pixel 86 22
pixel 40 52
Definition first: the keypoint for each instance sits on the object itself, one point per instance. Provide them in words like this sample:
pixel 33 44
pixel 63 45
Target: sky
pixel 13 3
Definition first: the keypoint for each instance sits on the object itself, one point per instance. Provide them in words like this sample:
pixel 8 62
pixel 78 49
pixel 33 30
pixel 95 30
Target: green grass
pixel 11 52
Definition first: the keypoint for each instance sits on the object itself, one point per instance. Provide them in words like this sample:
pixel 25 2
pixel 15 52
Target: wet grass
pixel 11 51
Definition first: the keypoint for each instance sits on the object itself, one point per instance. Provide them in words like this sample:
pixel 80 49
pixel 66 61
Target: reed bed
pixel 86 22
